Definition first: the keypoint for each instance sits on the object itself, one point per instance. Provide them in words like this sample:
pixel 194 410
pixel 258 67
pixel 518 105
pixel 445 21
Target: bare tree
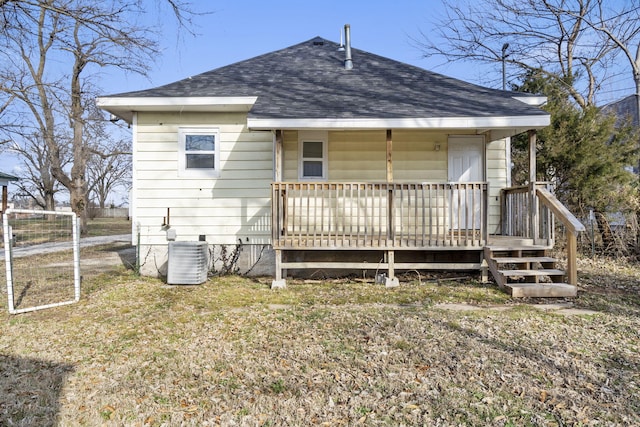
pixel 576 45
pixel 110 161
pixel 52 50
pixel 36 180
pixel 572 42
pixel 106 173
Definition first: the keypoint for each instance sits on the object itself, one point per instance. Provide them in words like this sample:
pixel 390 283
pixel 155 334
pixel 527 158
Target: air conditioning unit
pixel 188 263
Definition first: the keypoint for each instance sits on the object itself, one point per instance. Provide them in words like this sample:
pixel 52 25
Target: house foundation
pixel 250 260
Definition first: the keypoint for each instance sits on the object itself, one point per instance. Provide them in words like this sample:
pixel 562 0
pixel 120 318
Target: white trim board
pixel 526 122
pixel 124 107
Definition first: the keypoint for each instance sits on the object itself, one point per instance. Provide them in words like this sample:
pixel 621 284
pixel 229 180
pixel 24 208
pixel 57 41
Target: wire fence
pixel 42 259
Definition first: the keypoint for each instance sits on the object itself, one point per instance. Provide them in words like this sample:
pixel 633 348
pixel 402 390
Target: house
pixel 319 156
pixel 625 109
pixel 5 179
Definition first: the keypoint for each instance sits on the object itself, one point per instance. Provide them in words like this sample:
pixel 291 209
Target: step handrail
pixel 561 212
pixel 573 227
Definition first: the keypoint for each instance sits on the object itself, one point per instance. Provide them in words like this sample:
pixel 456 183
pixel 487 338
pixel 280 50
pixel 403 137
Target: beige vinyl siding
pixel 357 156
pixel 353 156
pixel 235 206
pixel 230 175
pixel 419 156
pixel 361 156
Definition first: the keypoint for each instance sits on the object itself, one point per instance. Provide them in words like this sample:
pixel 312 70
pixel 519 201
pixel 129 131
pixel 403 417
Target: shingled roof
pixel 7 177
pixel 625 109
pixel 309 81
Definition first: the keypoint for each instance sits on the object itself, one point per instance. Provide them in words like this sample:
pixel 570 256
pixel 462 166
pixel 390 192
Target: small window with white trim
pixel 198 152
pixel 312 155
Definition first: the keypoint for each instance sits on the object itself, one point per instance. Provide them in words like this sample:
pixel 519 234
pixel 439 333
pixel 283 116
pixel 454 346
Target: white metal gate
pixel 42 258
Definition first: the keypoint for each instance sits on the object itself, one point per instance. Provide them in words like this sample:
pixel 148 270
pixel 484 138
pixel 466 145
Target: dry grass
pixel 30 231
pixel 233 352
pixel 108 226
pixel 48 278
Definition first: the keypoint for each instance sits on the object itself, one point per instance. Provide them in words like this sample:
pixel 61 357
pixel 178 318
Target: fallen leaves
pixel 144 355
pixel 107 412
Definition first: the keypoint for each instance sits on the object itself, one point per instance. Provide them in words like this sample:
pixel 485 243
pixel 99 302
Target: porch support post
pixel 389 156
pixel 533 200
pixel 279 281
pixel 390 227
pixel 391 281
pixel 5 197
pixel 277 156
pixel 572 255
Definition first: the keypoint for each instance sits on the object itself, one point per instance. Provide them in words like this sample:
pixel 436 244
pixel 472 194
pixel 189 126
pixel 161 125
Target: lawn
pixel 37 230
pixel 434 351
pixel 108 226
pixel 47 278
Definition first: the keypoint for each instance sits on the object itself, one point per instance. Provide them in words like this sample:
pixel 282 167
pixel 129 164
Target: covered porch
pixel 390 226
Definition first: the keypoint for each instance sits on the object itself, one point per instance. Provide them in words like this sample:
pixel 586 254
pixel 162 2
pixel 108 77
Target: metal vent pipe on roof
pixel 348 63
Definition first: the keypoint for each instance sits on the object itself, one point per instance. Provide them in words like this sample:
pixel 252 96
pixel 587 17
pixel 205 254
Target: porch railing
pixel 517 215
pixel 329 215
pixel 519 219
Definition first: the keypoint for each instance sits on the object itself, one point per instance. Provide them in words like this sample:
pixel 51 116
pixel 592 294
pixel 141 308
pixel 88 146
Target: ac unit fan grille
pixel 187 264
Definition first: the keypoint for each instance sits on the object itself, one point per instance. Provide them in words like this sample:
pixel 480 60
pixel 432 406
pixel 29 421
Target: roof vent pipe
pixel 348 63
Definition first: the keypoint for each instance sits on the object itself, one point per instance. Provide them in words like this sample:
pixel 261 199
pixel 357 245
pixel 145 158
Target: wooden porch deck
pixel 470 240
pixel 422 226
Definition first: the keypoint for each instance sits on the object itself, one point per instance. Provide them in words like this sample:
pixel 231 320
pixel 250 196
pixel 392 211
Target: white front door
pixel 466 164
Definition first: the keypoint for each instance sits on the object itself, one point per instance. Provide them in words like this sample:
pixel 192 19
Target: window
pixel 312 155
pixel 199 152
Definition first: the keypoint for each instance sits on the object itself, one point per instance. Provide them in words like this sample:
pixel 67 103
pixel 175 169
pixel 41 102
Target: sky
pixel 229 31
pixel 236 30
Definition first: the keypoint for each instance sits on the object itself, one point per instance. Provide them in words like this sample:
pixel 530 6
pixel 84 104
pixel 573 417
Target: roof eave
pixel 5 179
pixel 124 107
pixel 535 101
pixel 479 123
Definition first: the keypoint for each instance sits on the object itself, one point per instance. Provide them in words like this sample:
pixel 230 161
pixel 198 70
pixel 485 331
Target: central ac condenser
pixel 188 263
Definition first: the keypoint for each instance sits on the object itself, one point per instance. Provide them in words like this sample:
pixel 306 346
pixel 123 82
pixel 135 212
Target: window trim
pixel 313 136
pixel 182 152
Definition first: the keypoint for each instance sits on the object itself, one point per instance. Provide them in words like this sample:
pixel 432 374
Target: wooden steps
pixel 526 270
pixel 527 273
pixel 515 260
pixel 542 290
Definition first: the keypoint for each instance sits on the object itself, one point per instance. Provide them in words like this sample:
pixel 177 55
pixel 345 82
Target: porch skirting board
pixel 382 265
